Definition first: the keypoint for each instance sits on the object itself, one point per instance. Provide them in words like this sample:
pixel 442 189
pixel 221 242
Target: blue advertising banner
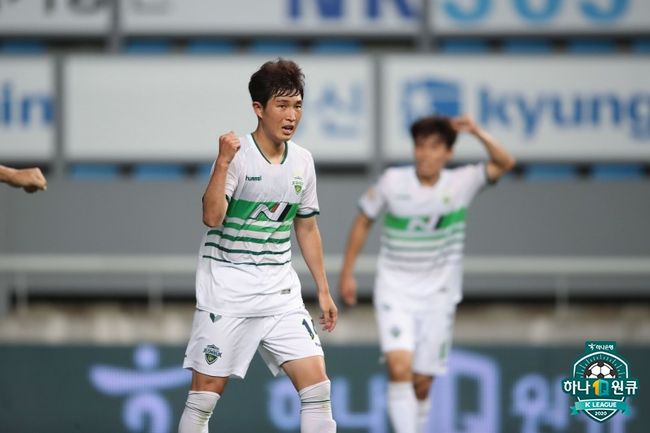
pixel 503 389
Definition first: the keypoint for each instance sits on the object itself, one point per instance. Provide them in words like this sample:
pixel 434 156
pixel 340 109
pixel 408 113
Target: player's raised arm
pixel 29 179
pixel 356 240
pixel 501 161
pixel 311 247
pixel 215 203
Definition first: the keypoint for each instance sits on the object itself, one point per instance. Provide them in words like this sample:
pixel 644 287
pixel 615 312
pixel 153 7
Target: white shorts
pixel 225 346
pixel 428 335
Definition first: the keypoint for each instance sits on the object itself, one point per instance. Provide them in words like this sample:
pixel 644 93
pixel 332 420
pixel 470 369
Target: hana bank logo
pixel 140 387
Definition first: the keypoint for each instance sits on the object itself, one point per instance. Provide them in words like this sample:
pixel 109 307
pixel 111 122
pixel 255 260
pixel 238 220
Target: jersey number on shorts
pixel 309 330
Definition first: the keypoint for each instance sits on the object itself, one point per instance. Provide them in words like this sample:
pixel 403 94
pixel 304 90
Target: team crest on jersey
pixel 298 184
pixel 212 353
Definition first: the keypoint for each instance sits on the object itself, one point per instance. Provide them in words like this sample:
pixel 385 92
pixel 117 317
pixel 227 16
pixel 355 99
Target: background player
pixel 419 273
pixel 248 294
pixel 29 179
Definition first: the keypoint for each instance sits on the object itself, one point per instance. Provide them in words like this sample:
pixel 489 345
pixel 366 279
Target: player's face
pixel 431 155
pixel 281 116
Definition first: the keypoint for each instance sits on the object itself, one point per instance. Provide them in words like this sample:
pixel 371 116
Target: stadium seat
pixel 158 171
pixel 95 171
pixel 148 46
pixel 23 47
pixel 336 47
pixel 641 46
pixel 204 170
pixel 617 171
pixel 209 46
pixel 464 46
pixel 535 172
pixel 527 46
pixel 591 46
pixel 273 47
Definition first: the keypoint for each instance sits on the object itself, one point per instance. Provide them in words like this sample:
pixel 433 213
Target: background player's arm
pixel 29 179
pixel 356 240
pixel 501 161
pixel 215 204
pixel 311 247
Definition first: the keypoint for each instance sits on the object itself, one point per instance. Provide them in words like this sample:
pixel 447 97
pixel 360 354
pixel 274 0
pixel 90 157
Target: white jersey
pixel 423 233
pixel 244 265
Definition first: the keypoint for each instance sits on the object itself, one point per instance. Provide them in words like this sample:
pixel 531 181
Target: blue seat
pixel 641 46
pixel 273 47
pixel 23 47
pixel 204 170
pixel 591 46
pixel 464 46
pixel 94 171
pixel 535 172
pixel 211 46
pixel 527 46
pixel 336 47
pixel 158 171
pixel 148 46
pixel 617 171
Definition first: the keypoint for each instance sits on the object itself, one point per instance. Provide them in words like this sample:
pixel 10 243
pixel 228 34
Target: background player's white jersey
pixel 423 233
pixel 244 265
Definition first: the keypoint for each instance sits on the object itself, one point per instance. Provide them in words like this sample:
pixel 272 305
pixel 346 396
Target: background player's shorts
pixel 224 346
pixel 427 334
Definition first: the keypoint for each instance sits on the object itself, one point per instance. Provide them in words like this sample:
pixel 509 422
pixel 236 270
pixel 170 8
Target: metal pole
pixel 425 35
pixel 114 40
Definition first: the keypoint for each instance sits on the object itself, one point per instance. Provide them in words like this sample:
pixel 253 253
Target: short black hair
pixel 281 77
pixel 432 125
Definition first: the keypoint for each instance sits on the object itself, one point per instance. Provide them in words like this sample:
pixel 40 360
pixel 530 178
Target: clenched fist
pixel 228 146
pixel 29 179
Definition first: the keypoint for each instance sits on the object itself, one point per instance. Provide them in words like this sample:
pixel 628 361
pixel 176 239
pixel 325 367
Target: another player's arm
pixel 311 247
pixel 501 161
pixel 215 203
pixel 356 240
pixel 29 179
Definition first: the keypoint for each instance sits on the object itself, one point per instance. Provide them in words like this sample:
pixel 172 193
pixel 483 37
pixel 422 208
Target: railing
pixel 17 269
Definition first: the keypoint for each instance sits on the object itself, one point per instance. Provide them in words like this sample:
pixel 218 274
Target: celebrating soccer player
pixel 419 273
pixel 248 294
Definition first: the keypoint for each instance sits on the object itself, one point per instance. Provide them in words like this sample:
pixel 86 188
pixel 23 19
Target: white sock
pixel 424 406
pixel 316 409
pixel 198 408
pixel 402 407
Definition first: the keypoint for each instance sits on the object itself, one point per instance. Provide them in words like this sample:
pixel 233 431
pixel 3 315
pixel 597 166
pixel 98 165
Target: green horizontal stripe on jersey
pixel 248 239
pixel 404 223
pixel 427 236
pixel 235 251
pixel 255 228
pixel 433 249
pixel 245 263
pixel 243 209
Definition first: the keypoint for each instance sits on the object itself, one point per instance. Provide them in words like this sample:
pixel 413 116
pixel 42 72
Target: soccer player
pixel 29 179
pixel 248 294
pixel 419 271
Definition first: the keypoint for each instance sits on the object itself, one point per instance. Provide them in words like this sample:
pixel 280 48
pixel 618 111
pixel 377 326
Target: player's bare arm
pixel 311 247
pixel 356 240
pixel 215 204
pixel 29 179
pixel 501 161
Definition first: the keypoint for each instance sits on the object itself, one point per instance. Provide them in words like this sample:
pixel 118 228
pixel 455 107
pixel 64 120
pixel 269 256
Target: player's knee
pixel 400 371
pixel 316 398
pixel 422 386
